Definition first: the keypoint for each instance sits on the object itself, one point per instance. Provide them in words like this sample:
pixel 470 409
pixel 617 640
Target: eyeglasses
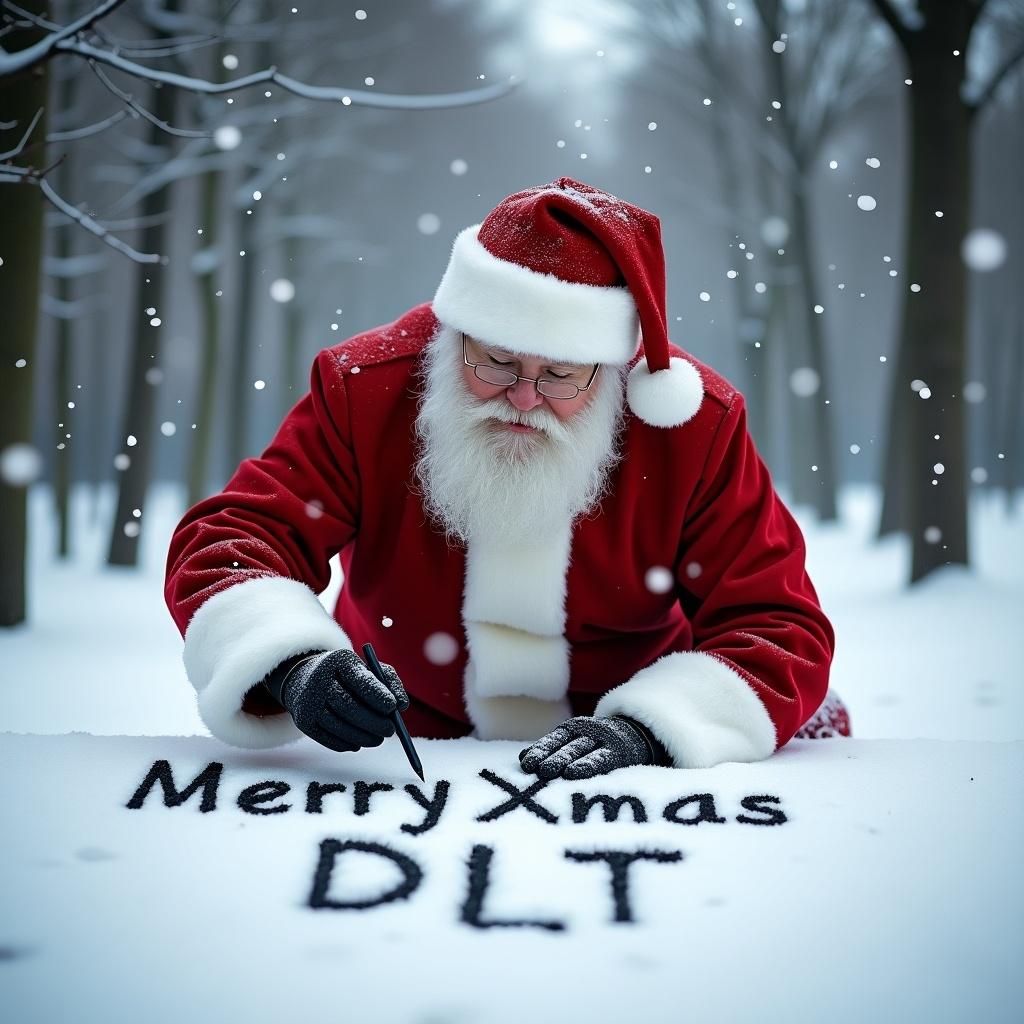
pixel 506 378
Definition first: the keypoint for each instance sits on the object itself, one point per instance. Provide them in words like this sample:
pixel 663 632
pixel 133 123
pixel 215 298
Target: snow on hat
pixel 573 274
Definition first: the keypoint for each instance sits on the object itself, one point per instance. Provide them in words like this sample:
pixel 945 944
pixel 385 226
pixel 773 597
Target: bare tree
pixel 30 42
pixel 21 215
pixel 810 70
pixel 925 486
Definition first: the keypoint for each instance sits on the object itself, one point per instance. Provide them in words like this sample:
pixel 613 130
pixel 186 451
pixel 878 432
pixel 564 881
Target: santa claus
pixel 553 525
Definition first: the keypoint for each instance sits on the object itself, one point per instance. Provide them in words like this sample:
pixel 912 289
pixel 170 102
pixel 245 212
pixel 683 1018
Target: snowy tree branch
pixel 61 42
pixel 55 219
pixel 889 15
pixel 24 139
pixel 74 266
pixel 986 93
pixel 28 18
pixel 183 133
pixel 92 129
pixel 91 226
pixel 393 101
pixel 61 309
pixel 149 49
pixel 10 63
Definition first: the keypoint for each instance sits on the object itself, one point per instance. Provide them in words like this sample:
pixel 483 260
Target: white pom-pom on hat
pixel 665 398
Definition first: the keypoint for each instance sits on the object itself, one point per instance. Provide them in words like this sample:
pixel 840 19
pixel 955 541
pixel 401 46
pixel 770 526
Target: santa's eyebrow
pixel 509 357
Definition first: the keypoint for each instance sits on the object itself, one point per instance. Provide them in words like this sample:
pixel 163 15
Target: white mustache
pixel 500 409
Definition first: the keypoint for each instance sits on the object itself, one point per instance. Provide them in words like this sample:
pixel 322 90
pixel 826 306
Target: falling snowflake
pixel 774 231
pixel 440 648
pixel 658 579
pixel 866 202
pixel 282 290
pixel 20 464
pixel 983 250
pixel 227 136
pixel 428 223
pixel 804 381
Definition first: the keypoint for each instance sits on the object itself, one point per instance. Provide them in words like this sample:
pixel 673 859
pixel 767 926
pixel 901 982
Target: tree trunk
pixel 1009 440
pixel 64 248
pixel 813 469
pixel 21 225
pixel 202 439
pixel 199 464
pixel 295 375
pixel 820 414
pixel 934 320
pixel 126 529
pixel 241 378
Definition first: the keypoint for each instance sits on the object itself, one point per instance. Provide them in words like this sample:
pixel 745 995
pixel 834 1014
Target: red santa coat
pixel 724 665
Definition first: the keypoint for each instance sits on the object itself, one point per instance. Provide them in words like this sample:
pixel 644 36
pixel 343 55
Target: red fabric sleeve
pixel 285 513
pixel 742 581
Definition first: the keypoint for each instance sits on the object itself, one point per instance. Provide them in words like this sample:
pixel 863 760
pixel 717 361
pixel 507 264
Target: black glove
pixel 336 700
pixel 583 747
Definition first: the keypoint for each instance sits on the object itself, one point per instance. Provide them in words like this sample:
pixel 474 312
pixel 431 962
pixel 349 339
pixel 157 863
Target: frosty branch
pixel 126 97
pixel 70 40
pixel 988 91
pixel 93 227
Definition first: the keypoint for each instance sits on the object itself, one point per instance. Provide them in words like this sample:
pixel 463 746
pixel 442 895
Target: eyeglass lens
pixel 505 378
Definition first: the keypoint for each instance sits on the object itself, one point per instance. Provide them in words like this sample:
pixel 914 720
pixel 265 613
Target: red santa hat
pixel 573 274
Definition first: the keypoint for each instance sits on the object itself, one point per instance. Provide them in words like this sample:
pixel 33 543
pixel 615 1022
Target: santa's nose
pixel 524 396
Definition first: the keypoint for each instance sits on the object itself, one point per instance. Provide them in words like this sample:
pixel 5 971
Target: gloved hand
pixel 337 701
pixel 583 747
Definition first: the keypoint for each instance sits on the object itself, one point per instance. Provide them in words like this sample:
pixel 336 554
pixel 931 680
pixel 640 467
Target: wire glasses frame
pixel 506 378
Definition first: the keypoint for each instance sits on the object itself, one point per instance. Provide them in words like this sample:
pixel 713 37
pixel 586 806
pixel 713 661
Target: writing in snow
pixel 269 798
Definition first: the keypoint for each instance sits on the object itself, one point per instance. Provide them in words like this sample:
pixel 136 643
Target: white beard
pixel 479 480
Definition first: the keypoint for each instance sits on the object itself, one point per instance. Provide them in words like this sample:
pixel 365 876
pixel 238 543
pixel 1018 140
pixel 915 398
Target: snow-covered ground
pixel 887 888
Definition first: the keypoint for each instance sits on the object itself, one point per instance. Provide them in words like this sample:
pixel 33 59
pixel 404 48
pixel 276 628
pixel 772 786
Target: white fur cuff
pixel 701 710
pixel 237 637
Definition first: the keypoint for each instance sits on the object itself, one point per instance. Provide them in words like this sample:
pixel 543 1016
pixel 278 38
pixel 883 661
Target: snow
pixel 20 464
pixel 984 250
pixel 891 889
pixel 886 893
pixel 804 381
